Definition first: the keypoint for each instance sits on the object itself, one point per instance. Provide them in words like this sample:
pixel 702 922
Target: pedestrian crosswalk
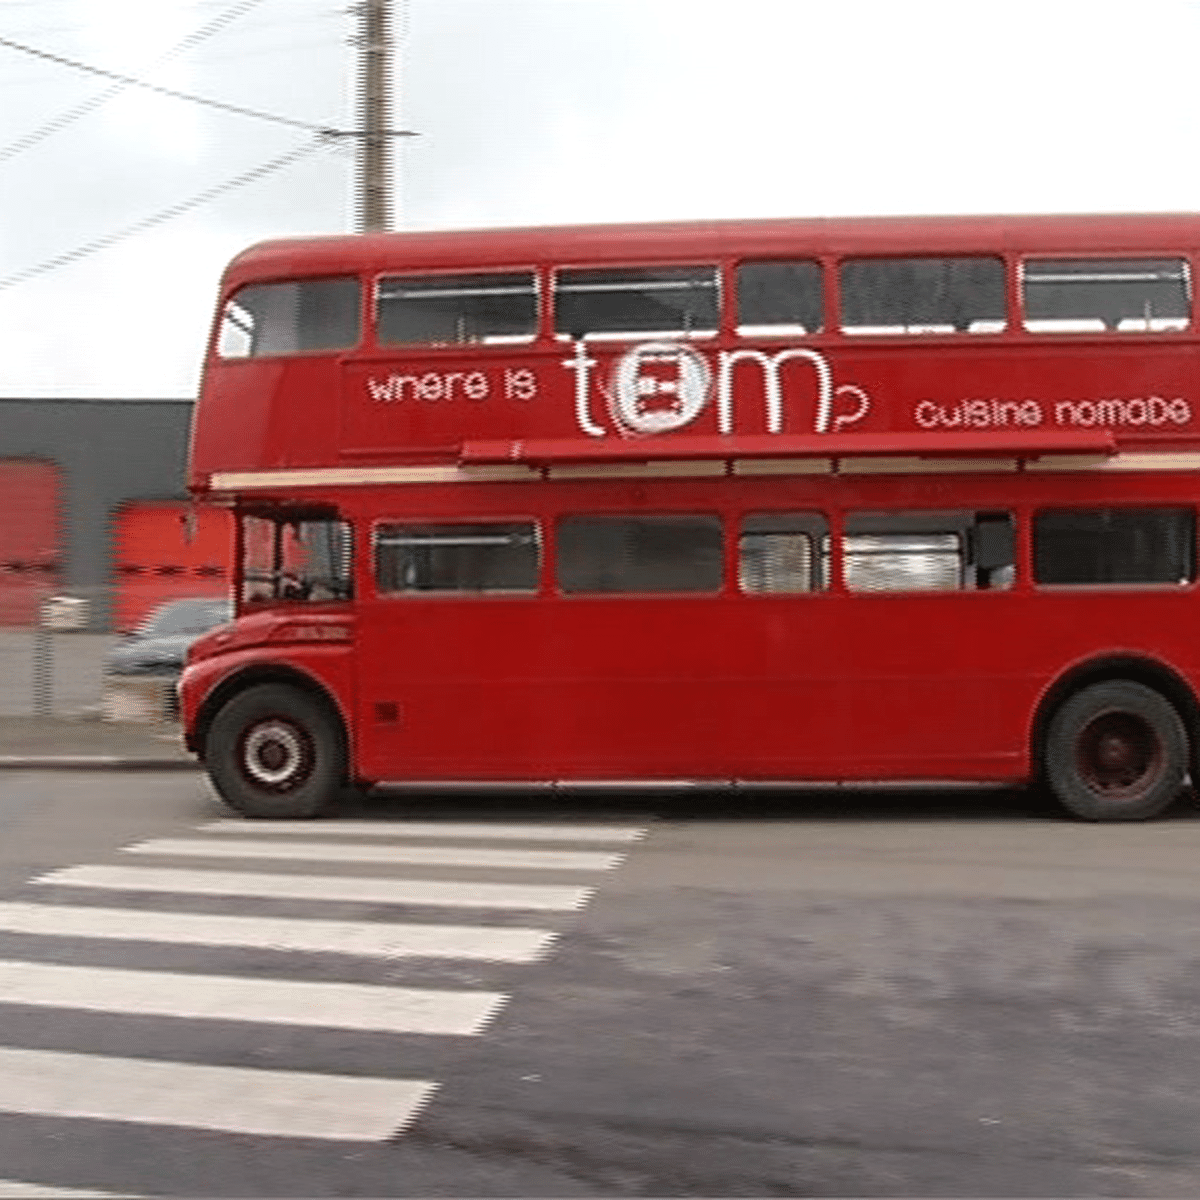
pixel 341 894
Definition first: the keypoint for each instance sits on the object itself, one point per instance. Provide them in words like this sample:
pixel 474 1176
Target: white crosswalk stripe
pixel 366 939
pixel 276 1102
pixel 231 1099
pixel 229 998
pixel 443 856
pixel 334 888
pixel 14 1189
pixel 440 830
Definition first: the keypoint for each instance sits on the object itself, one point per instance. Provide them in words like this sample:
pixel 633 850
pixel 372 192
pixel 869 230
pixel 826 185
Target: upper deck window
pixel 637 301
pixel 447 310
pixel 1130 295
pixel 922 295
pixel 779 299
pixel 290 318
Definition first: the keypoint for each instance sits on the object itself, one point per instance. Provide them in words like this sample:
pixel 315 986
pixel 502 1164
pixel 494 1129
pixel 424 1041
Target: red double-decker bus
pixel 768 501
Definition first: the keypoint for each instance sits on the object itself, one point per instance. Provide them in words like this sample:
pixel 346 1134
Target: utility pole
pixel 375 103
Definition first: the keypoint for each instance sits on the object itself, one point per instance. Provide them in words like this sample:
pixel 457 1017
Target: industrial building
pixel 93 507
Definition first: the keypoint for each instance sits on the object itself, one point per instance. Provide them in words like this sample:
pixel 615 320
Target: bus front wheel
pixel 1116 751
pixel 275 751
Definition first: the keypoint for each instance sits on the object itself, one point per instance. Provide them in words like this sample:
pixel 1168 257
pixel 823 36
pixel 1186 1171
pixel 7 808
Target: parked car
pixel 159 645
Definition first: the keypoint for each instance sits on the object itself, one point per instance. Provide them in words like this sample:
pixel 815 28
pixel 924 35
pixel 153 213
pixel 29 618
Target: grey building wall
pixel 109 452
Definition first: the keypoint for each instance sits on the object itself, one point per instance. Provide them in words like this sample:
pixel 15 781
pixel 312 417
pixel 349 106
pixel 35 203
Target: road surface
pixel 838 994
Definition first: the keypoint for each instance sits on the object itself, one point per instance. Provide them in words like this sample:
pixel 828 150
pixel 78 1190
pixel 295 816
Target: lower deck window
pixel 1114 546
pixel 782 552
pixel 928 551
pixel 639 554
pixel 493 556
pixel 293 556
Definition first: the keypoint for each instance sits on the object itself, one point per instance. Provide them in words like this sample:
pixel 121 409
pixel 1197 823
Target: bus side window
pixel 482 556
pixel 781 552
pixel 928 551
pixel 1150 295
pixel 1114 546
pixel 305 316
pixel 993 548
pixel 779 299
pixel 923 295
pixel 638 555
pixel 449 310
pixel 637 301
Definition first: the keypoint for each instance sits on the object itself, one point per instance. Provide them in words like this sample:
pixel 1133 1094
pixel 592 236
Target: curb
pixel 93 762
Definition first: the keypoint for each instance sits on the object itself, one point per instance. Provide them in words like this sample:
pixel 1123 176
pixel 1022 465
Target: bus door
pixel 934 666
pixel 637 657
pixel 446 688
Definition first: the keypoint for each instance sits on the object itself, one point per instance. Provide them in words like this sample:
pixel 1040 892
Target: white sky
pixel 554 111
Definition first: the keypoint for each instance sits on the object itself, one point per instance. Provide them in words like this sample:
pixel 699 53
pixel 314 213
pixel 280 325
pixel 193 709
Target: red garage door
pixel 29 533
pixel 167 551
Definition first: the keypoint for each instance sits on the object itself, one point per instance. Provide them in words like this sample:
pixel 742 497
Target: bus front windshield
pixel 295 557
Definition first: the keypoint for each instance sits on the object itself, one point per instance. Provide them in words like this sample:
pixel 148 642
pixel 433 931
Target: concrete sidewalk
pixel 51 743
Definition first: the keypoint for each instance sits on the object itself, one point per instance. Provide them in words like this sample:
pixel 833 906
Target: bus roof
pixel 689 240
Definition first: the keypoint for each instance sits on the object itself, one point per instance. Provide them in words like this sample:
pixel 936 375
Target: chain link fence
pixel 53 664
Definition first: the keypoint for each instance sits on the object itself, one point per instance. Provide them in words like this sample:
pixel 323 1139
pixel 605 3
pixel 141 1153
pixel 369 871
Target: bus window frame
pixel 725 281
pixel 543 317
pixel 1100 586
pixel 1112 336
pixel 834 323
pixel 279 516
pixel 731 298
pixel 366 328
pixel 665 509
pixel 542 542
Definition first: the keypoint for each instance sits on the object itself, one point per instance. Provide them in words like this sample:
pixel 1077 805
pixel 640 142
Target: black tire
pixel 274 751
pixel 355 793
pixel 1116 751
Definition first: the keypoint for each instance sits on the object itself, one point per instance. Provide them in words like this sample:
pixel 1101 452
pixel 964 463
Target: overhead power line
pixel 71 115
pixel 130 81
pixel 167 214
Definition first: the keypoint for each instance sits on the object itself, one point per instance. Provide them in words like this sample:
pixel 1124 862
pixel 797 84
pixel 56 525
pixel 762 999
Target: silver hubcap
pixel 272 753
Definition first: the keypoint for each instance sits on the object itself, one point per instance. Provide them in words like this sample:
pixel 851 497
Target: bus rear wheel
pixel 274 751
pixel 1116 751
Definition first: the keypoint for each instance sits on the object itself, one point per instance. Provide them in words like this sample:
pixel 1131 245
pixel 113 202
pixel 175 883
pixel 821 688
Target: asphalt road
pixel 823 995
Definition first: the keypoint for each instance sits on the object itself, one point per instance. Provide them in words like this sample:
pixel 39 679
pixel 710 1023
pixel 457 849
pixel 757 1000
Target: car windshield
pixel 186 616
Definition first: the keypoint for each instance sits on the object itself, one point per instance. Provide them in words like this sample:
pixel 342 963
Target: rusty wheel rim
pixel 1119 755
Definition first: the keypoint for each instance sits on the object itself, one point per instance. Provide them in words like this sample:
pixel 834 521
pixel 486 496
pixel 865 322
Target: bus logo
pixel 659 387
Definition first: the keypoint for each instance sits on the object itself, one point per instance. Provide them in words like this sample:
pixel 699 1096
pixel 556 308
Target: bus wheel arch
pixel 1116 739
pixel 275 745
